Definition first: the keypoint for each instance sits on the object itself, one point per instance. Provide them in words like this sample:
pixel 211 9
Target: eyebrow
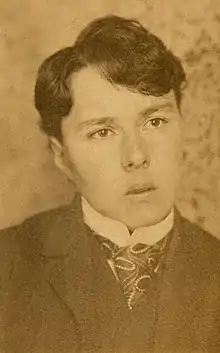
pixel 99 121
pixel 111 120
pixel 153 109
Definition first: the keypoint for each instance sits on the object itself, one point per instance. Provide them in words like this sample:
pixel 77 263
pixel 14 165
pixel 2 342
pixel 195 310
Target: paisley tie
pixel 135 266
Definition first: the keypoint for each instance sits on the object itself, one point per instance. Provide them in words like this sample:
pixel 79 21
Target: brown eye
pixel 156 122
pixel 101 134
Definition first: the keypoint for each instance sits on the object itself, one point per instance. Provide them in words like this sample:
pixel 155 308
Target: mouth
pixel 140 189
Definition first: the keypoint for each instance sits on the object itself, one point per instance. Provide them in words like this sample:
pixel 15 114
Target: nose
pixel 134 152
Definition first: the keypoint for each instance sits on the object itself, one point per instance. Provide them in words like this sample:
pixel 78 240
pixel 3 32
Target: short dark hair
pixel 123 51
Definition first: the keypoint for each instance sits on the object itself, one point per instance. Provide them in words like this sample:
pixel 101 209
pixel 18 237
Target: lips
pixel 140 189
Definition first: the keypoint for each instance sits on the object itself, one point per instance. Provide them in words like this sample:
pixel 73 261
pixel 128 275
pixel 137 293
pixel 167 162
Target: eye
pixel 101 134
pixel 155 123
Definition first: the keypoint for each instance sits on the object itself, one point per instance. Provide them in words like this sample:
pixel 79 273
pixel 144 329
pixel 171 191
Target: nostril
pixel 132 165
pixel 145 163
pixel 129 165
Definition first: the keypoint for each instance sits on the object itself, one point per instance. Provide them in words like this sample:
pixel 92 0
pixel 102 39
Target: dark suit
pixel 58 293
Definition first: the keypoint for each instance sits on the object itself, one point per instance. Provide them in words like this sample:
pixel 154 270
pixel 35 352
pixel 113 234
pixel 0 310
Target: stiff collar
pixel 118 233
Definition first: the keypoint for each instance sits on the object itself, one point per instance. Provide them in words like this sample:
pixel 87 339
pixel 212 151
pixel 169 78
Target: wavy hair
pixel 123 51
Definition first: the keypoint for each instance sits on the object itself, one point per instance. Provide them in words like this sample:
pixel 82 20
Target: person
pixel 119 270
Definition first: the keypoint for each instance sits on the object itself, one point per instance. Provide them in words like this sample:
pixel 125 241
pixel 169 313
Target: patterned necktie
pixel 135 266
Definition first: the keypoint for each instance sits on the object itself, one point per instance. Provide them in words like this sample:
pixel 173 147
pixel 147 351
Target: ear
pixel 60 158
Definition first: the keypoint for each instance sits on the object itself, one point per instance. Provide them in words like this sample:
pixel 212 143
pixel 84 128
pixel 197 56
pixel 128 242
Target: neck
pixel 119 232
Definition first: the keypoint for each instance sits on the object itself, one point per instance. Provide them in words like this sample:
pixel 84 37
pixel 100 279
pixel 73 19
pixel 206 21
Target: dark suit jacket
pixel 58 294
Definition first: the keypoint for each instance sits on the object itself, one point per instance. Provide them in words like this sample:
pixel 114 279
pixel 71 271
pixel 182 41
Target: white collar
pixel 118 233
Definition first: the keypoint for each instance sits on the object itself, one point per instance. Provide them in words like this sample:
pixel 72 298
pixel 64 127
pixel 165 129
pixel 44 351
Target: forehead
pixel 94 96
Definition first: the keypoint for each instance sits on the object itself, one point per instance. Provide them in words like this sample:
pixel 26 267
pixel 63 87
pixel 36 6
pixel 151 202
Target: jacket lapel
pixel 181 302
pixel 82 278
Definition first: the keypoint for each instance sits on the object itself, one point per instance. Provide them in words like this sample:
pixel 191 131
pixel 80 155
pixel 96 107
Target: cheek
pixel 167 157
pixel 91 166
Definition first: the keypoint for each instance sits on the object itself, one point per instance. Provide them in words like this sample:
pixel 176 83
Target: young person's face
pixel 122 149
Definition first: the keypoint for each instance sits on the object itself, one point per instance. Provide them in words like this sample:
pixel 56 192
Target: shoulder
pixel 18 238
pixel 200 246
pixel 198 236
pixel 30 229
pixel 21 248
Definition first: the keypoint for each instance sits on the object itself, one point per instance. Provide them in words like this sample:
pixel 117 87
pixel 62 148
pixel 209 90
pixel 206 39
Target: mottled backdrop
pixel 31 30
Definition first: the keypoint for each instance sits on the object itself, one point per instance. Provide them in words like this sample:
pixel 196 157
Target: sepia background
pixel 31 30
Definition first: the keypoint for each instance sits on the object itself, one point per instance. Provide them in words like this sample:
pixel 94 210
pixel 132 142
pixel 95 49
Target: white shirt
pixel 118 232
